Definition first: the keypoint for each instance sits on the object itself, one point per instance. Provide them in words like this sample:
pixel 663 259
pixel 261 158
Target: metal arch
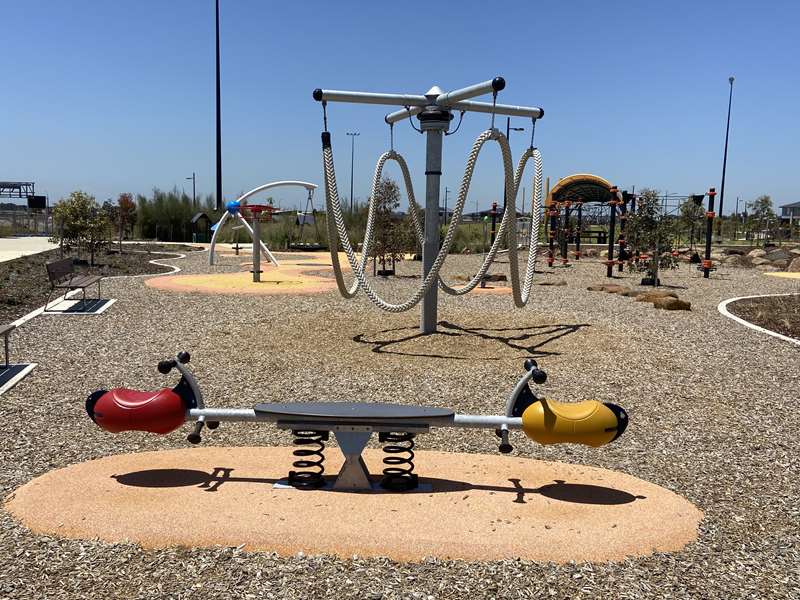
pixel 267 186
pixel 242 200
pixel 581 186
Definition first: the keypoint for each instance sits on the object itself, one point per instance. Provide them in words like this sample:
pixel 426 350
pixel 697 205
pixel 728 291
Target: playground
pixel 696 483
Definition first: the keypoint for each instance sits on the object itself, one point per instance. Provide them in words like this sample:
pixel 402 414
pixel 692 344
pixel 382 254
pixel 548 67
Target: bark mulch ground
pixel 24 285
pixel 780 314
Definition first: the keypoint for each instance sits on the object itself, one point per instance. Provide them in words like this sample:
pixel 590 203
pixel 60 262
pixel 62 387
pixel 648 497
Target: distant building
pixel 790 212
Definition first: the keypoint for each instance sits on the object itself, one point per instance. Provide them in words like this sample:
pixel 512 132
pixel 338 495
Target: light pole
pixel 219 128
pixel 509 129
pixel 353 135
pixel 194 190
pixel 724 161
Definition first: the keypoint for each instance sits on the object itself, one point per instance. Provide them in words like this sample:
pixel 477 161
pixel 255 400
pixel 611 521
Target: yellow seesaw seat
pixel 590 422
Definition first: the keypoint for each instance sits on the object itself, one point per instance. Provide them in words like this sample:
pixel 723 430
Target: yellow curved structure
pixel 590 422
pixel 579 185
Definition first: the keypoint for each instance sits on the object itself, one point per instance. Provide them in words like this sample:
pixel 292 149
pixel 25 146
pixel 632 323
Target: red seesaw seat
pixel 121 409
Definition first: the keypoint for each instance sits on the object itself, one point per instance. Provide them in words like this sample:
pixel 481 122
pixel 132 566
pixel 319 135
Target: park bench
pixel 62 276
pixel 10 374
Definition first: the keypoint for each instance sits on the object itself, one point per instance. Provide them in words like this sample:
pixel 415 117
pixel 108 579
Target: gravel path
pixel 713 409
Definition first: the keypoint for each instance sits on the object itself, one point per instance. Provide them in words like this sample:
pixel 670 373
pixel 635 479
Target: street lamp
pixel 724 162
pixel 194 190
pixel 219 128
pixel 353 135
pixel 509 129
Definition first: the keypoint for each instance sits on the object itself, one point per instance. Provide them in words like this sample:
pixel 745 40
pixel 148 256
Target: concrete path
pixel 14 247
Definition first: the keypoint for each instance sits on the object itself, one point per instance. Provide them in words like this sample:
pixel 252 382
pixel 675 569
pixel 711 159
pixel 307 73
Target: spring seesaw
pixel 543 420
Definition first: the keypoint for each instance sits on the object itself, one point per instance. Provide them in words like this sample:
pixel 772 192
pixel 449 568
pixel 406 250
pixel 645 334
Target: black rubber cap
pixel 541 109
pixel 317 93
pixel 539 376
pixel 165 366
pixel 184 357
pixel 622 418
pixel 326 139
pixel 505 448
pixel 498 83
pixel 91 401
pixel 530 364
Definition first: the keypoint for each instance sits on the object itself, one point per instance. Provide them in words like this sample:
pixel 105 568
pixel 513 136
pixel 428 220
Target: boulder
pixel 603 254
pixel 733 252
pixel 795 251
pixel 651 295
pixel 733 260
pixel 613 288
pixel 781 264
pixel 779 254
pixel 669 303
pixel 632 293
pixel 770 268
pixel 610 288
pixel 794 266
pixel 757 253
pixel 760 260
pixel 559 282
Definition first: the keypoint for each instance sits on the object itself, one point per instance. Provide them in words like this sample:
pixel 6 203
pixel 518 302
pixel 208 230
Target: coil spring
pixel 310 444
pixel 399 475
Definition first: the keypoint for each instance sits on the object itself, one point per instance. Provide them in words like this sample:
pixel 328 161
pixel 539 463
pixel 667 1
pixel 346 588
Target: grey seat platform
pixel 355 412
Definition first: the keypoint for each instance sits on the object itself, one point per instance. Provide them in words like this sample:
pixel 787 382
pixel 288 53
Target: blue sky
pixel 116 97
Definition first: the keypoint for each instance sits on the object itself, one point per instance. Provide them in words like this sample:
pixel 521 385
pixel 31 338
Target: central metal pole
pixel 434 121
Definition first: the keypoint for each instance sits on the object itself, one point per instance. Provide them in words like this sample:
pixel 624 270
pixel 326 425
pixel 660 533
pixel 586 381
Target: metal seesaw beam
pixel 458 421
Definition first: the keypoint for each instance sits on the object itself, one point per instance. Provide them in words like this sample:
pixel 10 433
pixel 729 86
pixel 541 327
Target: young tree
pixel 79 223
pixel 762 216
pixel 651 233
pixel 391 239
pixel 690 214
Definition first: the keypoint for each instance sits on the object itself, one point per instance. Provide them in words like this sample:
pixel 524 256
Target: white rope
pixel 337 227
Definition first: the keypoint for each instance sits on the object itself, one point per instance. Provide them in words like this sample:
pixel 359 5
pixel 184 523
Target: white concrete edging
pixel 722 307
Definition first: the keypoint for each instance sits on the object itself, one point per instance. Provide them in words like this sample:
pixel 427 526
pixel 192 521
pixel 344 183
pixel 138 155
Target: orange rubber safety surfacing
pixel 481 507
pixel 294 276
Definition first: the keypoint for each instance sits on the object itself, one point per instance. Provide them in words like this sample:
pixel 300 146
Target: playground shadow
pixel 529 340
pixel 575 493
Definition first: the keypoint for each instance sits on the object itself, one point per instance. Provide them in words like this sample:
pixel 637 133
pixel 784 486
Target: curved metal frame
pixel 242 200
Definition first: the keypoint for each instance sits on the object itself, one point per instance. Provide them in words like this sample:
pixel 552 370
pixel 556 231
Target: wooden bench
pixel 62 276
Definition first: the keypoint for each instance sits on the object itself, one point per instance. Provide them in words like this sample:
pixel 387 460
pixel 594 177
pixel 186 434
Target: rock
pixel 495 277
pixel 734 260
pixel 610 288
pixel 603 254
pixel 669 303
pixel 795 251
pixel 466 251
pixel 560 282
pixel 716 257
pixel 781 264
pixel 651 295
pixel 770 268
pixel 613 288
pixel 760 260
pixel 632 293
pixel 794 266
pixel 733 252
pixel 779 254
pixel 757 253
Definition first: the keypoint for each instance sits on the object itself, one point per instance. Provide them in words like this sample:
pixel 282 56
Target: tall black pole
pixel 219 128
pixel 724 161
pixel 352 135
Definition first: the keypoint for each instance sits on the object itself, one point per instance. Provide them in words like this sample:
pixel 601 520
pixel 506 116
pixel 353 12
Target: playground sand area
pixel 712 407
